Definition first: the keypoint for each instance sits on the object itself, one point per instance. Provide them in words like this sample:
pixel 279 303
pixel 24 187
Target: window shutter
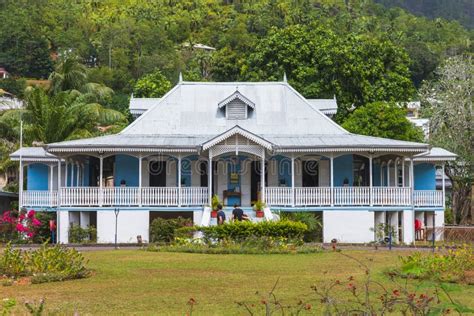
pixel 236 110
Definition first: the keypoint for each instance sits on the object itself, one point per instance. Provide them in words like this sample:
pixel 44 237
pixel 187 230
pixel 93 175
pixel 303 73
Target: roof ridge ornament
pixel 180 77
pixel 284 77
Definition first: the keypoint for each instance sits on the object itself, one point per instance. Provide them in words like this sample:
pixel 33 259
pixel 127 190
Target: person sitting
pixel 220 215
pixel 237 213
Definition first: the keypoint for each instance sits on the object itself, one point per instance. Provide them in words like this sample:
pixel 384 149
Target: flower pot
pixel 259 214
pixel 213 214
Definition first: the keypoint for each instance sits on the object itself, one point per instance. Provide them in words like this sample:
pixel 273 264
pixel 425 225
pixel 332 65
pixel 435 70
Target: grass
pixel 140 282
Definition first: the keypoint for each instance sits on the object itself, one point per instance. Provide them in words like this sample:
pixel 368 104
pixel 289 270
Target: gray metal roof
pixel 139 106
pixel 327 106
pixel 188 115
pixel 32 154
pixel 436 154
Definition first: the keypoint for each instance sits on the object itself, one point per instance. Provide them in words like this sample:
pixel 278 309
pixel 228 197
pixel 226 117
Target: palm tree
pixel 67 115
pixel 69 74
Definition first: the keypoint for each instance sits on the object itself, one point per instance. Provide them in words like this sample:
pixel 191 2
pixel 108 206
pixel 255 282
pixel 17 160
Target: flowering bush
pixel 19 225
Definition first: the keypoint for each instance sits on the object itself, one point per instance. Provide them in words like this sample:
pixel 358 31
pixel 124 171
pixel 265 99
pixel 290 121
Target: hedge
pixel 238 231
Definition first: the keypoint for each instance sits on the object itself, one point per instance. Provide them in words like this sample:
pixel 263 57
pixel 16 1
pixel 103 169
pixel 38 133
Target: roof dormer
pixel 236 106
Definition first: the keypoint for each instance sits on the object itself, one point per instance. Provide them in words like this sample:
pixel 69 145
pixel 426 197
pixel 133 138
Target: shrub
pixel 311 219
pixel 78 235
pixel 43 233
pixel 19 226
pixel 240 231
pixel 45 264
pixel 164 230
pixel 450 266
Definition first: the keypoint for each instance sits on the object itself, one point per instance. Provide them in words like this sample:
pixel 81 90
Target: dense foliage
pixel 78 234
pixel 45 264
pixel 383 119
pixel 312 220
pixel 164 230
pixel 240 231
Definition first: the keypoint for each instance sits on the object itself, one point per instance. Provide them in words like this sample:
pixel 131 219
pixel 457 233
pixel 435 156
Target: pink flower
pixel 35 222
pixel 22 217
pixel 30 235
pixel 31 214
pixel 20 228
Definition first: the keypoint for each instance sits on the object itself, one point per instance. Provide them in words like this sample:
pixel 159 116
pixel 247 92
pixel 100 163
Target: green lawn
pixel 139 282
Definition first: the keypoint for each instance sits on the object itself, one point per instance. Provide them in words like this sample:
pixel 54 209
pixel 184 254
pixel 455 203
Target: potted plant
pixel 214 203
pixel 345 182
pixel 258 207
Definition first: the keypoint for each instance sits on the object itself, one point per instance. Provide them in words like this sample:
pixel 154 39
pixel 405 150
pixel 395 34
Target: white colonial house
pixel 242 141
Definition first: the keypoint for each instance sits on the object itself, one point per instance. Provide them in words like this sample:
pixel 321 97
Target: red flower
pixel 35 222
pixel 30 235
pixel 396 292
pixel 31 214
pixel 20 228
pixel 21 217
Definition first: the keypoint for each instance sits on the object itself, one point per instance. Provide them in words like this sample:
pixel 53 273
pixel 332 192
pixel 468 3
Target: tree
pixel 449 103
pixel 69 74
pixel 66 115
pixel 320 63
pixel 153 85
pixel 383 119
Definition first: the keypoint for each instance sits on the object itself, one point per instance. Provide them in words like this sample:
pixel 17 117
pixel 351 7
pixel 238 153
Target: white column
pixel 51 185
pixel 20 186
pixel 62 227
pixel 443 184
pixel 381 173
pixel 72 174
pixel 331 159
pixel 179 181
pixel 59 182
pixel 209 177
pixel 140 161
pixel 101 170
pixel 371 181
pixel 262 177
pixel 408 226
pixel 412 179
pixel 292 180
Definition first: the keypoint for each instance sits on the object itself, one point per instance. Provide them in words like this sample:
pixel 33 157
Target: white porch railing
pixel 348 196
pixel 312 196
pixel 343 196
pixel 198 196
pixel 391 196
pixel 39 198
pixel 427 198
pixel 279 196
pixel 194 196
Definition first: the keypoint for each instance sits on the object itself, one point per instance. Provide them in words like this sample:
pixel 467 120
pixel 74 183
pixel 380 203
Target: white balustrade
pixel 391 196
pixel 428 198
pixel 312 196
pixel 160 196
pixel 281 196
pixel 198 196
pixel 39 198
pixel 351 196
pixel 194 196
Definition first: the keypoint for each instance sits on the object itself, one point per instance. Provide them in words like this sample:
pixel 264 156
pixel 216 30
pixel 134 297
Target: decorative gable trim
pixel 236 95
pixel 240 131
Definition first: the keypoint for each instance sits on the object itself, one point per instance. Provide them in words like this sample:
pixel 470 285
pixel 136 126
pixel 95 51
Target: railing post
pixel 179 181
pixel 140 160
pixel 443 174
pixel 332 178
pixel 371 193
pixel 101 189
pixel 293 180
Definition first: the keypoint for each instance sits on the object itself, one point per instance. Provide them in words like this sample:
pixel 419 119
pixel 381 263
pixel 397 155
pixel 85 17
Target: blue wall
pixel 425 177
pixel 343 169
pixel 37 177
pixel 284 170
pixel 86 173
pixel 126 168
